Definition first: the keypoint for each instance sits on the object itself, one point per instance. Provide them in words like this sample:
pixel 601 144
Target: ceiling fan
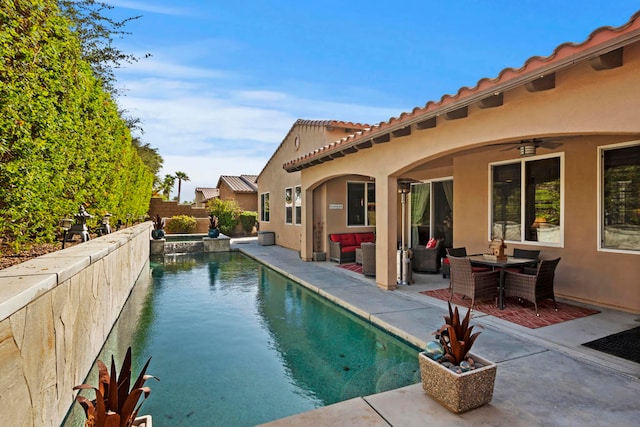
pixel 527 147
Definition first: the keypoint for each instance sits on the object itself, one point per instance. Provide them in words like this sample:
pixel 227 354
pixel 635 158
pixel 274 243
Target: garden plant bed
pixel 9 257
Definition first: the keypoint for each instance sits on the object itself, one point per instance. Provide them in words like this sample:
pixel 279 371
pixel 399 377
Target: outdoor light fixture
pixel 106 227
pixel 65 224
pixel 528 149
pixel 80 226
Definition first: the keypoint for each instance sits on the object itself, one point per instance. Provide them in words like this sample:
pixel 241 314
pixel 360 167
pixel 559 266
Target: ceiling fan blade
pixel 514 146
pixel 503 143
pixel 549 144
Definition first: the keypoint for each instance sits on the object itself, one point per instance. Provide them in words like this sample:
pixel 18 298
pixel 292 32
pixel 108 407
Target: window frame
pixel 600 224
pixel 297 205
pixel 288 205
pixel 523 183
pixel 366 203
pixel 264 213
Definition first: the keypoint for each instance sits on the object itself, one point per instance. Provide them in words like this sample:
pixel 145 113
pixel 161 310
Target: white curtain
pixel 419 199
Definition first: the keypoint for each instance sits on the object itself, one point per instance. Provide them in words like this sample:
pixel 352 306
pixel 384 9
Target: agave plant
pixel 456 337
pixel 115 405
pixel 158 223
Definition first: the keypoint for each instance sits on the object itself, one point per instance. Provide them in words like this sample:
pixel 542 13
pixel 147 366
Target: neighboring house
pixel 546 155
pixel 203 195
pixel 243 189
pixel 280 197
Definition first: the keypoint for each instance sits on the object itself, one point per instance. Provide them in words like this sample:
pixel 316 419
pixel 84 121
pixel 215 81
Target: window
pixel 526 201
pixel 298 204
pixel 361 203
pixel 288 205
pixel 620 198
pixel 264 207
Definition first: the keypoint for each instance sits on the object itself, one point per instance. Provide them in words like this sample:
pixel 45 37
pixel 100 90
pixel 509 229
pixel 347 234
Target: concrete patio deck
pixel 545 377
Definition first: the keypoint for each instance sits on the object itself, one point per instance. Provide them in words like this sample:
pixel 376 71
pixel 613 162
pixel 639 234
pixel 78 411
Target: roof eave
pixel 565 55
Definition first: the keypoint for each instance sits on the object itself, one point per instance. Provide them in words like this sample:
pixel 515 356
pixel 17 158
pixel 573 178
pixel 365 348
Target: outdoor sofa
pixel 342 246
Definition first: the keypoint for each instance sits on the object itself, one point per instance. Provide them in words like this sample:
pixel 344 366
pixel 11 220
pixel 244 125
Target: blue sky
pixel 227 79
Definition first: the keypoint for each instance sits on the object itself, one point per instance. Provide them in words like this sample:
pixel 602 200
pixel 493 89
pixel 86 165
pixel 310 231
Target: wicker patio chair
pixel 469 283
pixel 526 253
pixel 457 252
pixel 427 260
pixel 460 253
pixel 368 259
pixel 533 287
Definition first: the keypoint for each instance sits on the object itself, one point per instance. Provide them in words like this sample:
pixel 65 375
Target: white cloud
pixel 207 128
pixel 150 7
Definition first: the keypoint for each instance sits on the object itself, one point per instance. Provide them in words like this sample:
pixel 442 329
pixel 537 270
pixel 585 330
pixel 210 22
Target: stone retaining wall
pixel 55 314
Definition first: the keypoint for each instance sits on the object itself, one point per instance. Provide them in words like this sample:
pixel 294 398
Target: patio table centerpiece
pixel 451 375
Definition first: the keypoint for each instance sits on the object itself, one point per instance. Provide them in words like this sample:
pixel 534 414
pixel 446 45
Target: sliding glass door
pixel 432 212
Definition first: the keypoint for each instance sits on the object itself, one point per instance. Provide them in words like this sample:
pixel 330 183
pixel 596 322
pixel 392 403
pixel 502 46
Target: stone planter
pixel 458 392
pixel 142 421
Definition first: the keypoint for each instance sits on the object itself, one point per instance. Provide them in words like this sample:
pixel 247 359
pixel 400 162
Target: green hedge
pixel 63 141
pixel 248 219
pixel 227 212
pixel 182 224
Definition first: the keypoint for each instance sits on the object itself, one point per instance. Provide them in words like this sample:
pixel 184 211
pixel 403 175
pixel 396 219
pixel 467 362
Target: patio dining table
pixel 501 264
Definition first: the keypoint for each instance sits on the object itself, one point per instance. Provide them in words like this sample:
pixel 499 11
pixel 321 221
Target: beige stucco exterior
pixel 246 201
pixel 588 107
pixel 273 179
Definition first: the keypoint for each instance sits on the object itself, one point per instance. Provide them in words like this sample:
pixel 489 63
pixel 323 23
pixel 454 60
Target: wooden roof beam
pixel 607 60
pixel 382 139
pixel 460 113
pixel 405 131
pixel 427 124
pixel 542 83
pixel 495 100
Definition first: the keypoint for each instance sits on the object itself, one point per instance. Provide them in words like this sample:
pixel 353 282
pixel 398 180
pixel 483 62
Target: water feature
pixel 237 344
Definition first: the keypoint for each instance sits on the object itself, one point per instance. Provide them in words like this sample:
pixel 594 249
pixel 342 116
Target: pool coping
pixel 519 396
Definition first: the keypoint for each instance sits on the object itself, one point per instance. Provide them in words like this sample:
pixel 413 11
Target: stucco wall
pixel 55 314
pixel 167 209
pixel 584 273
pixel 273 179
pixel 246 201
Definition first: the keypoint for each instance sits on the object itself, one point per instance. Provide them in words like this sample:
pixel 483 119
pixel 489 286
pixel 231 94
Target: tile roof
pixel 208 193
pixel 240 184
pixel 327 123
pixel 600 41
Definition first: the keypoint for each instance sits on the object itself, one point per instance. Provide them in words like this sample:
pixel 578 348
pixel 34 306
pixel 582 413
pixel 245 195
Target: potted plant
pixel 115 404
pixel 158 228
pixel 213 226
pixel 318 253
pixel 451 375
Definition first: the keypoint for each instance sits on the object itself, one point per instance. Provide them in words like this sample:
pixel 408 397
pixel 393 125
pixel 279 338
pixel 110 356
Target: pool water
pixel 238 344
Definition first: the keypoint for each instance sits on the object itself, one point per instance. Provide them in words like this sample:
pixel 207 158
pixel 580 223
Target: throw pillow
pixel 431 243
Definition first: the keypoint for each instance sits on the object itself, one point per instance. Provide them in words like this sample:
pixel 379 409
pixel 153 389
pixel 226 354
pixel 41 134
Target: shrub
pixel 182 224
pixel 228 213
pixel 248 219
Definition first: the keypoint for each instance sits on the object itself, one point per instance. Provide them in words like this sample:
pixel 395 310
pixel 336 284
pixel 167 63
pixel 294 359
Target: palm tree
pixel 167 185
pixel 181 177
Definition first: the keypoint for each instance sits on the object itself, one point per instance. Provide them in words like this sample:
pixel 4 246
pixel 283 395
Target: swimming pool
pixel 237 344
